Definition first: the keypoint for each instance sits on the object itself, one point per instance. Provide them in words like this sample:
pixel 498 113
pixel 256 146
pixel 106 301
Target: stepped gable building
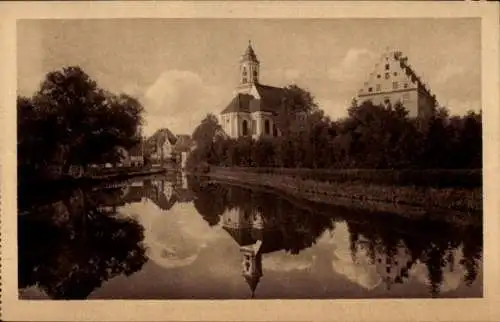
pixel 393 80
pixel 254 107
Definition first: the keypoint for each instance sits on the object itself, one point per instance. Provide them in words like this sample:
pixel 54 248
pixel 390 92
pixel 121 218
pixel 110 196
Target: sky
pixel 182 69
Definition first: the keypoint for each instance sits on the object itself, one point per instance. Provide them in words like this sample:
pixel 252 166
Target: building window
pixel 387 67
pixel 395 85
pixel 406 85
pixel 275 130
pixel 244 130
pixel 254 127
pixel 378 87
pixel 255 73
pixel 370 89
pixel 244 80
pixel 395 74
pixel 267 127
pixel 244 71
pixel 387 75
pixel 378 76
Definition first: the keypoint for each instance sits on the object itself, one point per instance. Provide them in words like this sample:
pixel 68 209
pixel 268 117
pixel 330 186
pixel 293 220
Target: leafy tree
pixel 70 120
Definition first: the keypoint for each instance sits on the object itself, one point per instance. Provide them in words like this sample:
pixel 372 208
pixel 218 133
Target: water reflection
pixel 280 247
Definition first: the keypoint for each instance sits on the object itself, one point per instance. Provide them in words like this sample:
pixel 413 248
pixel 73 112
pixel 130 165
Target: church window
pixel 395 85
pixel 267 127
pixel 386 66
pixel 244 130
pixel 378 87
pixel 370 89
pixel 386 75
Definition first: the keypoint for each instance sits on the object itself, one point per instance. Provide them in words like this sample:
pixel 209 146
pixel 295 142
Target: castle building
pixel 393 80
pixel 253 110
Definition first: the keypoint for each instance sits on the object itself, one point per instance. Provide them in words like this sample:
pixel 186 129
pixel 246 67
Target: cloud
pixel 355 63
pixel 448 72
pixel 179 99
pixel 283 262
pixel 360 272
pixel 334 108
pixel 452 279
pixel 174 238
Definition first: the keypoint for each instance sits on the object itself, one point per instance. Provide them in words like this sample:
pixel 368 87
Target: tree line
pixel 370 137
pixel 70 120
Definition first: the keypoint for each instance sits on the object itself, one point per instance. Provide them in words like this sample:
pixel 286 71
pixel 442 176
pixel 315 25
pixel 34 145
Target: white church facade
pixel 253 110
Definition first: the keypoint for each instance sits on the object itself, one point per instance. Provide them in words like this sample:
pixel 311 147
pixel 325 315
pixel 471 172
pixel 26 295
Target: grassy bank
pixel 462 205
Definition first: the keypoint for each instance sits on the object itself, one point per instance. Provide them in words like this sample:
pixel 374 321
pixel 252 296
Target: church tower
pixel 252 265
pixel 249 70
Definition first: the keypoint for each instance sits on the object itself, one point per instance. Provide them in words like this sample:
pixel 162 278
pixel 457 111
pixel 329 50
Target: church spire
pixel 249 54
pixel 249 68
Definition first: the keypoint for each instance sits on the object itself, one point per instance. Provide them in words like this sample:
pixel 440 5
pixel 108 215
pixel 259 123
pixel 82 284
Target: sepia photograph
pixel 182 158
pixel 232 159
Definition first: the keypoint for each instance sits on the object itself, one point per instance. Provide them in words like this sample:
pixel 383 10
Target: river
pixel 177 237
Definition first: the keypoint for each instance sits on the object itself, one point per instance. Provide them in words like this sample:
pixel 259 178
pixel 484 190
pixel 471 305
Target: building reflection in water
pixel 256 235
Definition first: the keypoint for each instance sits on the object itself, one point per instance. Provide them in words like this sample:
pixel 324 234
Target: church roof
pixel 241 236
pixel 252 282
pixel 240 103
pixel 269 101
pixel 249 54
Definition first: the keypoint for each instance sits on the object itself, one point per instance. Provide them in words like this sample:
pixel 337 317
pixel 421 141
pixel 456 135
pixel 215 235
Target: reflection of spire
pixel 252 265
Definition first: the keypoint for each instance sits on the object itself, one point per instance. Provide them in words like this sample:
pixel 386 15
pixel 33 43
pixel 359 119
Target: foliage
pixel 370 137
pixel 70 120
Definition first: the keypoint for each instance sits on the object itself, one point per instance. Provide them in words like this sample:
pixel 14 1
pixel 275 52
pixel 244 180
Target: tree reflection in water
pixel 392 244
pixel 70 247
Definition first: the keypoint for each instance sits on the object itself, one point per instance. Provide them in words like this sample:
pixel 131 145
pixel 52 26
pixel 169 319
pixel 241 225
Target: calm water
pixel 180 238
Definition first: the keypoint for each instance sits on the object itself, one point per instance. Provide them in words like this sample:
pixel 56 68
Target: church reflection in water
pixel 392 250
pixel 256 236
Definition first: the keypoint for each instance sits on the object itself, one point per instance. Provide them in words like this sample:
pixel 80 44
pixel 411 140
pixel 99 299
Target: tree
pixel 295 102
pixel 70 120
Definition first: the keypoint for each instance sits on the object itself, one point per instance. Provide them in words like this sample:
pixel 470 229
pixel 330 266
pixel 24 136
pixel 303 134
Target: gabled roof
pixel 161 135
pixel 184 143
pixel 158 138
pixel 395 58
pixel 269 100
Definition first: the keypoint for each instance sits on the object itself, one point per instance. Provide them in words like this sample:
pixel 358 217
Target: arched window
pixel 267 127
pixel 244 128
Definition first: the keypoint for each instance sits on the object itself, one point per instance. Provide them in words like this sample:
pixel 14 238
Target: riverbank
pixel 459 205
pixel 30 192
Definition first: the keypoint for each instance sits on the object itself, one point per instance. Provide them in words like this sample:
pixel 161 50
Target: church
pixel 253 110
pixel 393 80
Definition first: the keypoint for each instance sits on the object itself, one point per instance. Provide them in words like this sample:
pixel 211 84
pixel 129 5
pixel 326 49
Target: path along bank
pixel 456 197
